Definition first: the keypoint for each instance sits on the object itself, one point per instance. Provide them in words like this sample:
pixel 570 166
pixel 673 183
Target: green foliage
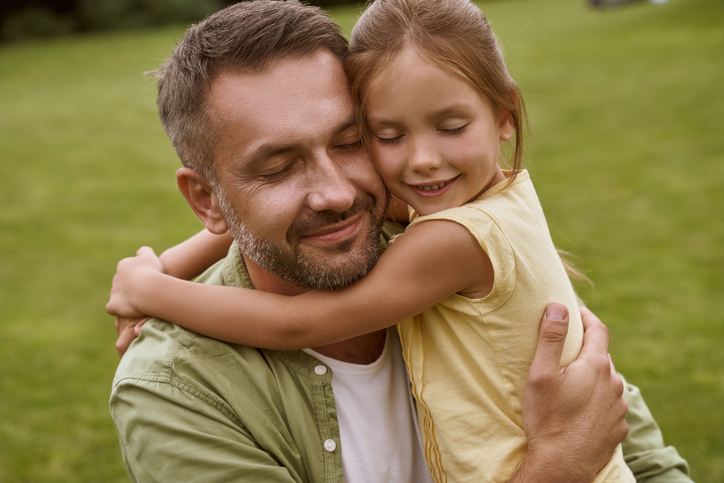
pixel 36 22
pixel 627 109
pixel 125 14
pixel 45 18
pixel 22 20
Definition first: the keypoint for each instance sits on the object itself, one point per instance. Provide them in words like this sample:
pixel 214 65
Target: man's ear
pixel 202 199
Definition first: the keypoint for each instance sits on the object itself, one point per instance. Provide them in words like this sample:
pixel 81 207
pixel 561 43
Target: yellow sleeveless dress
pixel 468 358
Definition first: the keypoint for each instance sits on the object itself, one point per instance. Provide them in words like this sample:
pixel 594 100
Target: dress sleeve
pixel 492 240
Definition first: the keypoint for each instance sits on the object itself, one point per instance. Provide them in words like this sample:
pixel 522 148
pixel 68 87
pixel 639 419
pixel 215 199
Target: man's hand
pixel 128 281
pixel 127 329
pixel 573 416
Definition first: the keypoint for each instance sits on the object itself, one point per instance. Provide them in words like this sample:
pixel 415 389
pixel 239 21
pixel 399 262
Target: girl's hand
pixel 129 282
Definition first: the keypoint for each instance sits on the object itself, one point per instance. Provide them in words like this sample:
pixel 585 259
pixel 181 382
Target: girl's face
pixel 434 137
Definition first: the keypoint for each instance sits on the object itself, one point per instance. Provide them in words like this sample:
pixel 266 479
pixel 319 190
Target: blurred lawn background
pixel 627 109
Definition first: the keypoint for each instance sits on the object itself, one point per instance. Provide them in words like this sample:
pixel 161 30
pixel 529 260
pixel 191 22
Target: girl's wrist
pixel 143 293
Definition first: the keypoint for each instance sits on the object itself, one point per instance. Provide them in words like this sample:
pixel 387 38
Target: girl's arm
pixel 190 258
pixel 425 265
pixel 184 261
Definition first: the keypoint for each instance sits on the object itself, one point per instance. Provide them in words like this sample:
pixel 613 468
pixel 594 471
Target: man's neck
pixel 364 349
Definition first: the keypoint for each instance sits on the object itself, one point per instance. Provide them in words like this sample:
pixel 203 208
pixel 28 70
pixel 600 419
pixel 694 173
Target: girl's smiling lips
pixel 336 233
pixel 435 188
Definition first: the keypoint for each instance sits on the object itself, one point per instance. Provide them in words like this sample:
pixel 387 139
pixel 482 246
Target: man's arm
pixel 573 416
pixel 643 448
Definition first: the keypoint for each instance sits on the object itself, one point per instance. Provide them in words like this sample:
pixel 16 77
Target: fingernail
pixel 556 312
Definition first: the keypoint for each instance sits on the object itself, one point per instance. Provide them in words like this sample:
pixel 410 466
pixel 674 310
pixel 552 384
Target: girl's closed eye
pixel 453 127
pixel 454 131
pixel 391 140
pixel 388 136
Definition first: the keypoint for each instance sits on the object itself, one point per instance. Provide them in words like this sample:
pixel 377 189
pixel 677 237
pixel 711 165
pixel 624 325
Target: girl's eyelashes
pixel 457 130
pixel 388 140
pixel 444 131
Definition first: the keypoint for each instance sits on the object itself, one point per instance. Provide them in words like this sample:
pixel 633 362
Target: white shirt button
pixel 321 370
pixel 330 445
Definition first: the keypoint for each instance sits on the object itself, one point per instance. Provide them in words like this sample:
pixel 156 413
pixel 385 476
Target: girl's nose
pixel 423 158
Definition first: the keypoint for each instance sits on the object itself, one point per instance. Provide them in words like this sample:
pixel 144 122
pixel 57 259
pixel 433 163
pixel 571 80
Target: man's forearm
pixel 573 417
pixel 644 450
pixel 542 467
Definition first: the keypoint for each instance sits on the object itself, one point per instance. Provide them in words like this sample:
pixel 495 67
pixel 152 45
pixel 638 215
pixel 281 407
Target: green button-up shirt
pixel 190 408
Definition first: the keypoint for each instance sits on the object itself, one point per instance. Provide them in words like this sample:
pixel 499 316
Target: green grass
pixel 627 109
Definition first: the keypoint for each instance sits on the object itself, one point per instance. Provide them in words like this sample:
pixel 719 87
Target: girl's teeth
pixel 433 187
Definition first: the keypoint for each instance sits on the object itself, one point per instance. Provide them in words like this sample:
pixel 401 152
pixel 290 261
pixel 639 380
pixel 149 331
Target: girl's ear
pixel 202 199
pixel 507 124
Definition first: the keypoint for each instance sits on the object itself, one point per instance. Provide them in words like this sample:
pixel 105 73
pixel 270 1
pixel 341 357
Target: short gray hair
pixel 245 37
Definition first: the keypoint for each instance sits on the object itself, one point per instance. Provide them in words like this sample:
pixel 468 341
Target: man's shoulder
pixel 168 362
pixel 229 271
pixel 166 354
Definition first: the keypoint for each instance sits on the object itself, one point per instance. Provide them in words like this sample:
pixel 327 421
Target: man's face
pixel 296 188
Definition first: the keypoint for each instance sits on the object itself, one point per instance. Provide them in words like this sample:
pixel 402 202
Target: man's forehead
pixel 318 71
pixel 293 101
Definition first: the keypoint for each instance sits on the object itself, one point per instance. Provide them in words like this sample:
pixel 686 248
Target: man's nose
pixel 331 188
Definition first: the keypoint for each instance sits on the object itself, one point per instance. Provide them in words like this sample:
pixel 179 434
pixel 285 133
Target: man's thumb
pixel 552 337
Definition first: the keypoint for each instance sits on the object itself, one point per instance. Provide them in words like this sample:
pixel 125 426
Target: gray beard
pixel 296 268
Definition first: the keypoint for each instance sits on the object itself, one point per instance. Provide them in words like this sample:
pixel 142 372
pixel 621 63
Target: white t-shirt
pixel 378 425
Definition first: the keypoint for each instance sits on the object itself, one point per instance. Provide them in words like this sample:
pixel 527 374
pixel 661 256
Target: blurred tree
pixel 27 19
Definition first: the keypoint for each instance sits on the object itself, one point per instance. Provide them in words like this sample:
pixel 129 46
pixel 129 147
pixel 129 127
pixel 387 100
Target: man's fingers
pixel 551 338
pixel 595 335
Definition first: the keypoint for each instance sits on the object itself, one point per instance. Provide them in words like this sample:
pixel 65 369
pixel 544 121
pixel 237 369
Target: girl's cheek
pixel 385 166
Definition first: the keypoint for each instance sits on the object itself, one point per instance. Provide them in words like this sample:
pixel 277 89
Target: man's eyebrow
pixel 346 124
